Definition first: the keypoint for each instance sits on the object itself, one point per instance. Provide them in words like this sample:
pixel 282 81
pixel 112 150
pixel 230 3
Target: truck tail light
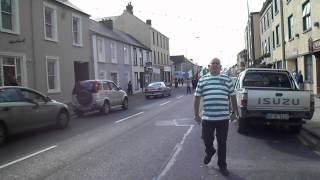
pixel 244 100
pixel 312 102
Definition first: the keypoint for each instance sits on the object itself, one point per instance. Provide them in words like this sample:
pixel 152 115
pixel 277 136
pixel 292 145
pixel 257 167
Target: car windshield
pixel 155 85
pixel 266 79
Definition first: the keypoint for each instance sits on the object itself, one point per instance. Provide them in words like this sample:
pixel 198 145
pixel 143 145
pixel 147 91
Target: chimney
pixel 108 23
pixel 148 22
pixel 129 8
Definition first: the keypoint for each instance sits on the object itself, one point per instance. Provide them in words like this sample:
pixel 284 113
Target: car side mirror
pixel 47 99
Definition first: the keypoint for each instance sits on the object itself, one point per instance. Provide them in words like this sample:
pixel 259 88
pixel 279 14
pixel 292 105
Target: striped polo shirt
pixel 215 91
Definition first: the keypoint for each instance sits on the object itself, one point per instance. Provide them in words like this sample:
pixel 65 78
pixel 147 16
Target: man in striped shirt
pixel 216 90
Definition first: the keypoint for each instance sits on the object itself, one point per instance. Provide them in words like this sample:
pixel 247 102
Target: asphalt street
pixel 154 139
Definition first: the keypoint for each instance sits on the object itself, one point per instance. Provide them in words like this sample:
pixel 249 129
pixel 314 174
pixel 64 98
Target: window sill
pixel 290 39
pixel 9 31
pixel 52 40
pixel 53 91
pixel 77 45
pixel 306 31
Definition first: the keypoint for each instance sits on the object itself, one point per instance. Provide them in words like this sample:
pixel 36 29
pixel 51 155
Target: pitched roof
pixel 115 34
pixel 72 6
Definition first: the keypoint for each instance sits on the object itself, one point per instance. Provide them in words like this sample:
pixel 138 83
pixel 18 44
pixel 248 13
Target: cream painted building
pixel 151 38
pixel 300 36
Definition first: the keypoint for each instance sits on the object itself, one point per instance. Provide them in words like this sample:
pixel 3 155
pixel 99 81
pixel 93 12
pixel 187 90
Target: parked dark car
pixel 102 95
pixel 23 109
pixel 157 89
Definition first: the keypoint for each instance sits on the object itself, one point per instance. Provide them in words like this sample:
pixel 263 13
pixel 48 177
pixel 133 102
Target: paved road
pixel 154 139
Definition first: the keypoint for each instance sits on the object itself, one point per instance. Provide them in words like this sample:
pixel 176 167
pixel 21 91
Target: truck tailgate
pixel 278 100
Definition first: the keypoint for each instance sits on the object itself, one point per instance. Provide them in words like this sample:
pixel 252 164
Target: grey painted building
pixel 118 56
pixel 45 44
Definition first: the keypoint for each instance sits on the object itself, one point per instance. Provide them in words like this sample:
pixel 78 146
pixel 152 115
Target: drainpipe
pixel 284 66
pixel 33 47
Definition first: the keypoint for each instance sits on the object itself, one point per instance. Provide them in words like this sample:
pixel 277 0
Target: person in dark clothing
pixel 130 88
pixel 300 80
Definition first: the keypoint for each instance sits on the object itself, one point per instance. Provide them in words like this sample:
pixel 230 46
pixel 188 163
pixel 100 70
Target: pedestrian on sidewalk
pixel 188 81
pixel 130 92
pixel 300 80
pixel 216 91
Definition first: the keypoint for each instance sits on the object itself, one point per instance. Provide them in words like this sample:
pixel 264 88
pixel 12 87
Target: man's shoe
pixel 208 157
pixel 224 171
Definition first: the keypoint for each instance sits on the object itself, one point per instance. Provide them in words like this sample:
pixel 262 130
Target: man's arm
pixel 234 107
pixel 196 104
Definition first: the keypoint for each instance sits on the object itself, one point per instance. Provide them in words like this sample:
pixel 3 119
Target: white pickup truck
pixel 271 96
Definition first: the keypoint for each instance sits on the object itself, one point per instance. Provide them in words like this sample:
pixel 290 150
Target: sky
pixel 197 29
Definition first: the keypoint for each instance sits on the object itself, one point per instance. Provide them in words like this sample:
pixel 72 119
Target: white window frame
pixel 118 82
pixel 101 56
pixel 57 76
pixel 306 16
pixel 15 18
pixel 113 48
pixel 104 75
pixel 126 55
pixel 54 21
pixel 79 24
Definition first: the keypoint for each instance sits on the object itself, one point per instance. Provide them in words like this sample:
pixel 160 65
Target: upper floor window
pixel 113 52
pixel 306 16
pixel 275 6
pixel 50 22
pixel 126 54
pixel 290 27
pixel 135 57
pixel 76 30
pixel 153 38
pixel 9 17
pixel 277 35
pixel 141 57
pixel 100 50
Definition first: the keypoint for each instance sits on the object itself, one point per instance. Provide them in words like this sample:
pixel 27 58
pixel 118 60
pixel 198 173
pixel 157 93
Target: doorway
pixel 81 71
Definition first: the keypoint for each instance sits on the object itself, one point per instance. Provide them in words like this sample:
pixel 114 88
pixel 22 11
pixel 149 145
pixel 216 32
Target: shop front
pixel 314 48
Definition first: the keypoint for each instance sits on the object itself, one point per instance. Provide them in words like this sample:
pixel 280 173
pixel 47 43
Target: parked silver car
pixel 90 95
pixel 23 109
pixel 157 89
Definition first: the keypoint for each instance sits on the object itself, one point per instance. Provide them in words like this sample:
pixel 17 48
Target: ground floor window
pixel 114 77
pixel 136 81
pixel 10 71
pixel 53 74
pixel 308 68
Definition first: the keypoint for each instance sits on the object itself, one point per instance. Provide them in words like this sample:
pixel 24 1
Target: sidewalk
pixel 311 130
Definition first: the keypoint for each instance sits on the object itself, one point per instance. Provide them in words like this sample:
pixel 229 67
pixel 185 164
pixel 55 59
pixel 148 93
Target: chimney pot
pixel 148 22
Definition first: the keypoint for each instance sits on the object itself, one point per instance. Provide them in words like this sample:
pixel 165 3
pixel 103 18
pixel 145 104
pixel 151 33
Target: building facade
pixel 45 45
pixel 149 37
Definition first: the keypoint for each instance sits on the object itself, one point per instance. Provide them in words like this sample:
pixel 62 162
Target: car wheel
pixel 3 134
pixel 63 120
pixel 243 126
pixel 125 104
pixel 106 108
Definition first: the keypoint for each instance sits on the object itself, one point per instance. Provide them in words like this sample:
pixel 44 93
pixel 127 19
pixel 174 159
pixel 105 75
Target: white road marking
pixel 128 117
pixel 165 103
pixel 179 97
pixel 28 156
pixel 175 153
pixel 317 152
